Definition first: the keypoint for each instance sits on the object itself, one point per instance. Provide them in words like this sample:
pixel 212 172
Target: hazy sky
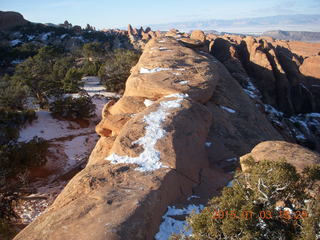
pixel 118 13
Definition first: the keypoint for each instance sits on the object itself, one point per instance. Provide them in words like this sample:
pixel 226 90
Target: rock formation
pixel 9 20
pixel 139 37
pixel 180 117
pixel 294 154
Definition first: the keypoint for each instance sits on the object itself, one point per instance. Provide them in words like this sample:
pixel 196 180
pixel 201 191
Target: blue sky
pixel 118 13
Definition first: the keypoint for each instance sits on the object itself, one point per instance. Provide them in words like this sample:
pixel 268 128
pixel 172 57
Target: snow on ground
pixel 171 226
pixel 154 70
pixel 93 87
pixel 16 61
pixel 15 42
pixel 149 159
pixel 48 128
pixel 77 149
pixel 70 146
pixel 230 110
pixel 31 209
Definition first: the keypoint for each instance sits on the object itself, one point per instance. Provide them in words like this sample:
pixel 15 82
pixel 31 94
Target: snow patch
pixel 15 42
pixel 230 110
pixel 149 159
pixel 171 226
pixel 148 102
pixel 63 36
pixel 232 159
pixel 183 82
pixel 154 70
pixel 76 150
pixel 208 144
pixel 45 36
pixel 269 109
pixel 316 115
pixel 30 37
pixel 192 197
pixel 230 184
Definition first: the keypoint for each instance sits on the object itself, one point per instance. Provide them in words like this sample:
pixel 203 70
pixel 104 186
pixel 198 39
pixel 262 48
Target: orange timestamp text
pixel 266 214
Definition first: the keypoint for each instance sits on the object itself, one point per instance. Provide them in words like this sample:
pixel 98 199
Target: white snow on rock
pixel 269 109
pixel 177 74
pixel 177 95
pixel 230 110
pixel 162 41
pixel 149 159
pixel 208 144
pixel 154 70
pixel 171 226
pixel 183 82
pixel 164 49
pixel 250 93
pixel 148 102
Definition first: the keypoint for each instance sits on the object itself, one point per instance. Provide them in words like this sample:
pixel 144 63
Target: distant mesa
pixel 10 20
pixel 294 35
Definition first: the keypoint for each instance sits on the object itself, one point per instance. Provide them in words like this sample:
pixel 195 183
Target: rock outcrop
pixel 294 154
pixel 182 114
pixel 311 67
pixel 139 37
pixel 10 20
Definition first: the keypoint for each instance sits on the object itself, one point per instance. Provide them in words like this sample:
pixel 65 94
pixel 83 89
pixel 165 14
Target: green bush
pixel 115 71
pixel 247 210
pixel 90 68
pixel 11 121
pixel 7 214
pixel 12 95
pixel 16 157
pixel 73 108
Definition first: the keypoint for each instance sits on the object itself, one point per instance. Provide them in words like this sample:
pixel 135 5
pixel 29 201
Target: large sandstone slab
pixel 294 154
